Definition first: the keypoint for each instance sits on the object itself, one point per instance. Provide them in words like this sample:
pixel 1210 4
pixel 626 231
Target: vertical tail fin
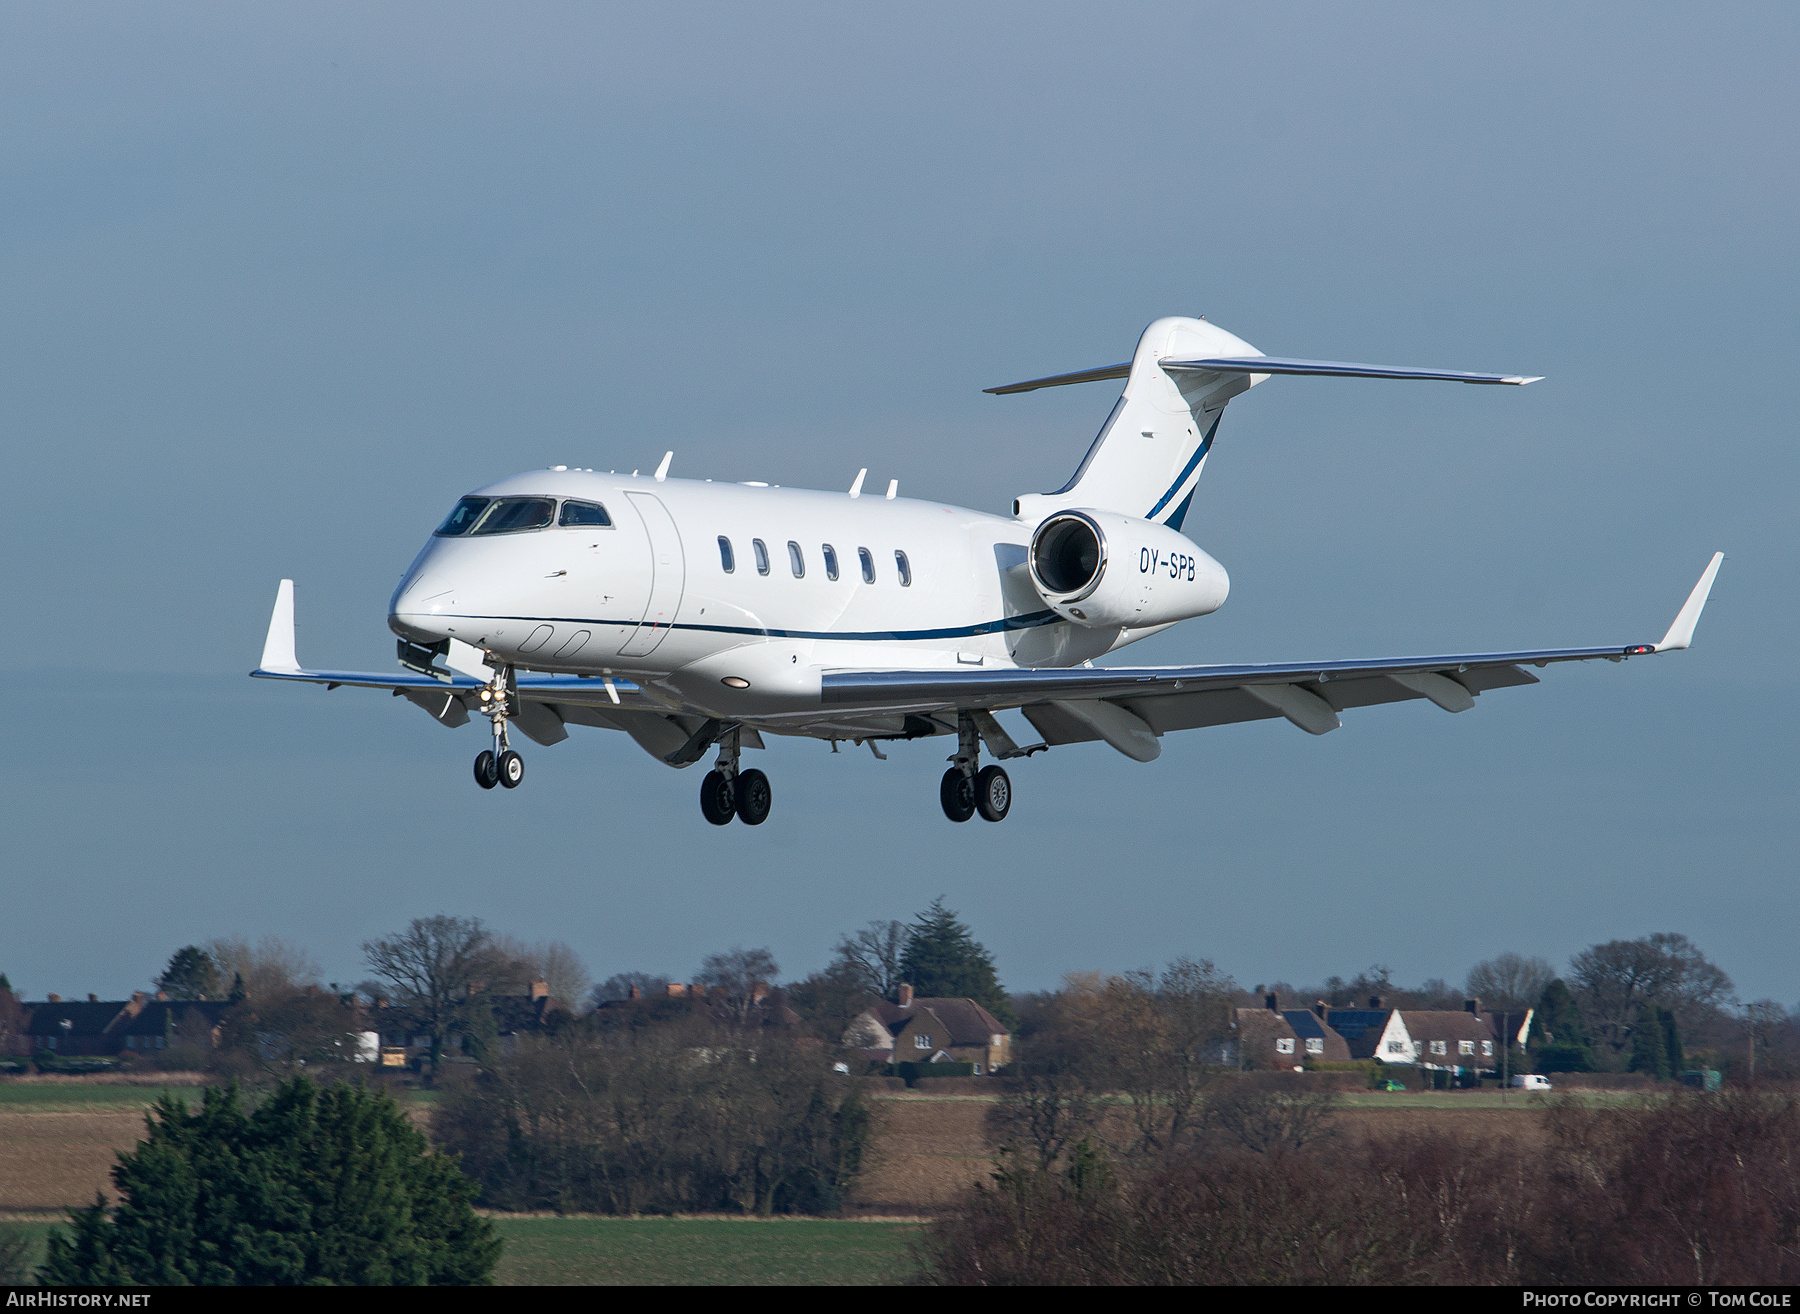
pixel 1149 454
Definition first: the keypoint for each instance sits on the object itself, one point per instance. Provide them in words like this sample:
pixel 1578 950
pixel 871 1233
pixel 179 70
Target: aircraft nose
pixel 417 609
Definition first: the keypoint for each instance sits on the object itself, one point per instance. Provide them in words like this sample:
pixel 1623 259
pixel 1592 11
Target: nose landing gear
pixel 964 790
pixel 499 765
pixel 727 792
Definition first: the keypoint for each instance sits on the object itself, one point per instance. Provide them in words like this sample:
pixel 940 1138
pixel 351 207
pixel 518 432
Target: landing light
pixel 735 682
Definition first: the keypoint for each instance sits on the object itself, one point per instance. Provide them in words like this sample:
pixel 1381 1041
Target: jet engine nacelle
pixel 1101 570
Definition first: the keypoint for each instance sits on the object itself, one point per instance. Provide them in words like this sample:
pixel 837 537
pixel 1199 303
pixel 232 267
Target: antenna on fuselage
pixel 856 488
pixel 893 489
pixel 662 471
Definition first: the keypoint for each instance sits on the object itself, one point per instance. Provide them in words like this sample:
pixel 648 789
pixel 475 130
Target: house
pixel 107 1027
pixel 1462 1041
pixel 72 1029
pixel 1274 1037
pixel 921 1029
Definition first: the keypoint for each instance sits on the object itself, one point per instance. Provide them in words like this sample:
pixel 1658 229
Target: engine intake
pixel 1068 556
pixel 1102 570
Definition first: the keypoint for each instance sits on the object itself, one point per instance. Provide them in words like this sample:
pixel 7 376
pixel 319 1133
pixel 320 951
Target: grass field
pixel 703 1252
pixel 668 1252
pixel 27 1097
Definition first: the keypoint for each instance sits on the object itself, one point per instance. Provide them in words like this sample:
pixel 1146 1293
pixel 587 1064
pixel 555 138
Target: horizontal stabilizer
pixel 1057 380
pixel 1331 368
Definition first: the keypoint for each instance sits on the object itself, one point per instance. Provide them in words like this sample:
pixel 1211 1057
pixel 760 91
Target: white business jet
pixel 697 616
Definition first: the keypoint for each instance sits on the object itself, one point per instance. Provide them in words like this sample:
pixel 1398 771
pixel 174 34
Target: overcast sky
pixel 278 284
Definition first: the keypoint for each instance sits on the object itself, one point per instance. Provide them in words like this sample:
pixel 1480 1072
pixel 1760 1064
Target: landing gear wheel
pixel 718 799
pixel 993 794
pixel 512 769
pixel 753 797
pixel 486 774
pixel 957 794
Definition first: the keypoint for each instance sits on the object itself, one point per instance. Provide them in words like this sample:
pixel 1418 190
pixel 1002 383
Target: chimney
pixel 540 990
pixel 1272 1002
pixel 759 992
pixel 635 993
pixel 905 996
pixel 1375 1001
pixel 1472 1006
pixel 93 998
pixel 1319 1007
pixel 57 999
pixel 162 994
pixel 676 990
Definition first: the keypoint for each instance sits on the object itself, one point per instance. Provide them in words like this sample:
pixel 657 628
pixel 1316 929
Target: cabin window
pixel 796 562
pixel 905 568
pixel 868 564
pixel 583 513
pixel 463 516
pixel 1284 1046
pixel 510 515
pixel 726 560
pixel 830 555
pixel 762 556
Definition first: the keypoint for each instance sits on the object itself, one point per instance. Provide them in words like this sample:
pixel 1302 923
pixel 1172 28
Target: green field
pixel 607 1252
pixel 29 1097
pixel 670 1252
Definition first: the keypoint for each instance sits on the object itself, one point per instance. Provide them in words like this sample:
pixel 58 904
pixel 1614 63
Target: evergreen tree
pixel 191 974
pixel 1649 1046
pixel 317 1186
pixel 1672 1041
pixel 942 959
pixel 1557 1035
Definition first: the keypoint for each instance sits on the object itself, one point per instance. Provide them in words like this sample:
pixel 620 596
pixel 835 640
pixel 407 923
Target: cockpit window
pixel 583 513
pixel 510 514
pixel 465 514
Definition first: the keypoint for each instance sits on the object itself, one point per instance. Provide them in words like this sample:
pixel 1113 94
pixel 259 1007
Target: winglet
pixel 278 648
pixel 1681 633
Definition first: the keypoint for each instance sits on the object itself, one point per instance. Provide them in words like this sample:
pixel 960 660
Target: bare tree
pixel 1616 979
pixel 738 972
pixel 433 965
pixel 1510 981
pixel 872 957
pixel 515 964
pixel 273 968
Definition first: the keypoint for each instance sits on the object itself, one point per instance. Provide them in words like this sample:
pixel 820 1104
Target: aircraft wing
pixel 547 703
pixel 1131 707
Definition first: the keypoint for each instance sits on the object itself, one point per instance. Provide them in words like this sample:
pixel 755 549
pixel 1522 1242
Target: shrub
pixel 1694 1190
pixel 317 1186
pixel 678 1117
pixel 911 1072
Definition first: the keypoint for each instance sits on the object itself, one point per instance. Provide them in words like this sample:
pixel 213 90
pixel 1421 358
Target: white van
pixel 1531 1082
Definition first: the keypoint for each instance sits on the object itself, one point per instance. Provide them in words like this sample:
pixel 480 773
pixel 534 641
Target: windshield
pixel 465 514
pixel 511 514
pixel 584 513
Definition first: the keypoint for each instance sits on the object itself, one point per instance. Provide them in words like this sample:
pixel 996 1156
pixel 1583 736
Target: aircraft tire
pixel 718 801
pixel 957 793
pixel 512 769
pixel 486 774
pixel 753 797
pixel 993 794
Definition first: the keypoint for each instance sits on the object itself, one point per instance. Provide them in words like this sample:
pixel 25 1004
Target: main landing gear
pixel 499 765
pixel 727 792
pixel 964 790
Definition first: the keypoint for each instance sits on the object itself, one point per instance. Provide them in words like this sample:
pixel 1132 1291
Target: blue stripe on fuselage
pixel 1030 621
